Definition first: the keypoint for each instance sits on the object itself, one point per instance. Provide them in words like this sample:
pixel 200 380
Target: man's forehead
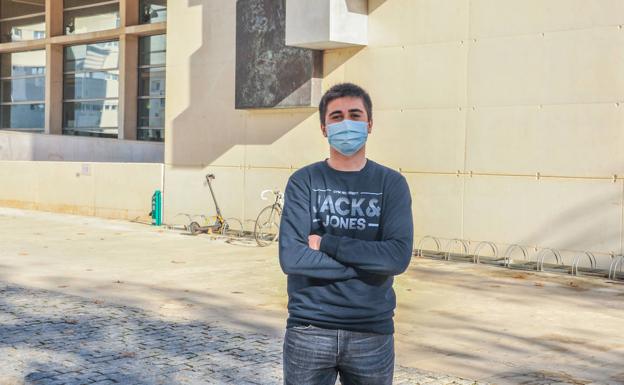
pixel 345 103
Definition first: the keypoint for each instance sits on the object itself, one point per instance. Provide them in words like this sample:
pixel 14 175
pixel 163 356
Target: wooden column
pixel 54 90
pixel 54 18
pixel 129 12
pixel 128 86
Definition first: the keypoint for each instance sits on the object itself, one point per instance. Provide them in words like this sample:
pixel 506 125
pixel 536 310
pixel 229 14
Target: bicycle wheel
pixel 232 227
pixel 266 229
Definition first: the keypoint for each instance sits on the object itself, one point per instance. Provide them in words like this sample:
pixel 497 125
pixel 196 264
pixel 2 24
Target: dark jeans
pixel 315 356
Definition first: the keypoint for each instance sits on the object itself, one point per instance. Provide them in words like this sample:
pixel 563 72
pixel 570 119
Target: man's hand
pixel 314 242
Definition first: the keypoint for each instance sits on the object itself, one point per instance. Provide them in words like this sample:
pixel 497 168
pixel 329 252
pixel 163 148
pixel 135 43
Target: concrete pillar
pixel 54 90
pixel 128 86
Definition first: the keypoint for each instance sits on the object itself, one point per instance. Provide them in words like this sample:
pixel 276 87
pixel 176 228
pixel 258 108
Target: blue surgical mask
pixel 348 136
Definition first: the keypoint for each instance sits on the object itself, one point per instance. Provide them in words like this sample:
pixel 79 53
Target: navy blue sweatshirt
pixel 365 220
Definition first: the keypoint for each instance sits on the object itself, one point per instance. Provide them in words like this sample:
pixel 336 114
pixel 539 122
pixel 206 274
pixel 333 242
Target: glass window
pixel 23 117
pixel 90 16
pixel 91 85
pixel 152 81
pixel 152 87
pixel 153 11
pixel 22 91
pixel 23 64
pixel 91 90
pixel 91 118
pixel 22 20
pixel 97 56
pixel 152 50
pixel 151 112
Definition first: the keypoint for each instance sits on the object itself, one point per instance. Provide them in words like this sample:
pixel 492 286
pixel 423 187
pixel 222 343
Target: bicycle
pixel 266 230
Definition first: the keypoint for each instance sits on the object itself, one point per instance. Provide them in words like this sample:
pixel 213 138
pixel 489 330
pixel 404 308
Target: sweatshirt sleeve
pixel 389 256
pixel 294 254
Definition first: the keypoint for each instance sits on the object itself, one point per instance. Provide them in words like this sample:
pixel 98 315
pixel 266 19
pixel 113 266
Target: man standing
pixel 346 231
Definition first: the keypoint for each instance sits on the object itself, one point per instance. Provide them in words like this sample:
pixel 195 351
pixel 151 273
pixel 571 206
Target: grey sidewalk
pixel 495 325
pixel 51 338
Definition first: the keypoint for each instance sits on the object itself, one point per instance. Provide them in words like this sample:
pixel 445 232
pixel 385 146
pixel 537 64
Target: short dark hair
pixel 345 90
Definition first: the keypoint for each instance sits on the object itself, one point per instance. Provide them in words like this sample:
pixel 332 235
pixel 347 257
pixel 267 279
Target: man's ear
pixel 370 126
pixel 324 130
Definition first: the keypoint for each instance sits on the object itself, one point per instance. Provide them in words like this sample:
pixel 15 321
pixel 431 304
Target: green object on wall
pixel 156 213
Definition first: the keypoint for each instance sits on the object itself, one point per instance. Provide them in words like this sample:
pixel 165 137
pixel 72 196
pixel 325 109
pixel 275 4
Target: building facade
pixel 505 116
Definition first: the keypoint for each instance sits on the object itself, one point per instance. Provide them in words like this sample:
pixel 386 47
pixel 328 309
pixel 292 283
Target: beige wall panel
pixel 584 66
pixel 112 190
pixel 125 190
pixel 422 140
pixel 77 190
pixel 204 130
pixel 424 76
pixel 579 140
pixel 284 139
pixel 436 205
pixel 565 214
pixel 407 22
pixel 514 17
pixel 186 191
pixel 201 123
pixel 506 71
pixel 257 180
pixel 18 182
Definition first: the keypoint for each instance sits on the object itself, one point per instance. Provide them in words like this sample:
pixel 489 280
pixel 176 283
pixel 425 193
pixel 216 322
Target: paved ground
pixel 79 290
pixel 50 338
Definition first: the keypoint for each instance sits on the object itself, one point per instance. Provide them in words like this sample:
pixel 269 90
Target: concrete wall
pixel 472 99
pixel 29 146
pixel 110 190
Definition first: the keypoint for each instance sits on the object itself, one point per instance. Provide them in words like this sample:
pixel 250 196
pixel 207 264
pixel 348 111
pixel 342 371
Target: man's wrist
pixel 329 244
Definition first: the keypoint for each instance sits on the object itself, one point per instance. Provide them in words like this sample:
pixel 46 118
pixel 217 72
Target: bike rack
pixel 419 249
pixel 449 246
pixel 577 259
pixel 509 252
pixel 542 256
pixel 613 268
pixel 477 256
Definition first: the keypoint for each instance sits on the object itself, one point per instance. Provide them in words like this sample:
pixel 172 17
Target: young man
pixel 346 231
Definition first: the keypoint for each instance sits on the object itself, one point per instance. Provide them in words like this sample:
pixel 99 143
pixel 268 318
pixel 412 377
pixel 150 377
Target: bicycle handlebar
pixel 274 192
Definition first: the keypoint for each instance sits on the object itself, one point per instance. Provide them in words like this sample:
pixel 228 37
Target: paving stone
pixel 56 339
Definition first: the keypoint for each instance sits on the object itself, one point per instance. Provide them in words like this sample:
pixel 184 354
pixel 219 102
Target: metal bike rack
pixel 613 268
pixel 451 243
pixel 476 257
pixel 541 256
pixel 419 249
pixel 509 253
pixel 577 259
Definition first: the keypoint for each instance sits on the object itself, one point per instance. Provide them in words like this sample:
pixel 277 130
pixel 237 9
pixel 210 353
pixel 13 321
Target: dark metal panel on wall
pixel 270 74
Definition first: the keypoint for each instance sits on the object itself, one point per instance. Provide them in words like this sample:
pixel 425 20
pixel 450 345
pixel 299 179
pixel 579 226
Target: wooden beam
pixel 129 12
pixel 54 90
pixel 128 86
pixel 54 18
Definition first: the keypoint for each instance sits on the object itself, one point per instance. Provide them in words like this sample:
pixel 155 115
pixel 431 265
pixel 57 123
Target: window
pixel 91 90
pixel 22 20
pixel 151 103
pixel 152 11
pixel 22 91
pixel 82 16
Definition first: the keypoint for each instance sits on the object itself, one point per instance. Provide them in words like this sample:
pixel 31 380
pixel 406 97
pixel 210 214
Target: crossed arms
pixel 339 257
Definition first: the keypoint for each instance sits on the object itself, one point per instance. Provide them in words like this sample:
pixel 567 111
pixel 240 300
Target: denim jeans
pixel 315 356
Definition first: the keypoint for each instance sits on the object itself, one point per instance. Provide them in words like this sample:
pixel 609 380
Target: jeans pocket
pixel 302 327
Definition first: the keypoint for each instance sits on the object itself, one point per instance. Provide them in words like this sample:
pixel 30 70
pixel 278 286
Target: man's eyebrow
pixel 335 112
pixel 355 110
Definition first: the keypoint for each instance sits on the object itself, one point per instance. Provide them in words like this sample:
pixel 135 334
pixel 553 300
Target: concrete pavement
pixel 478 322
